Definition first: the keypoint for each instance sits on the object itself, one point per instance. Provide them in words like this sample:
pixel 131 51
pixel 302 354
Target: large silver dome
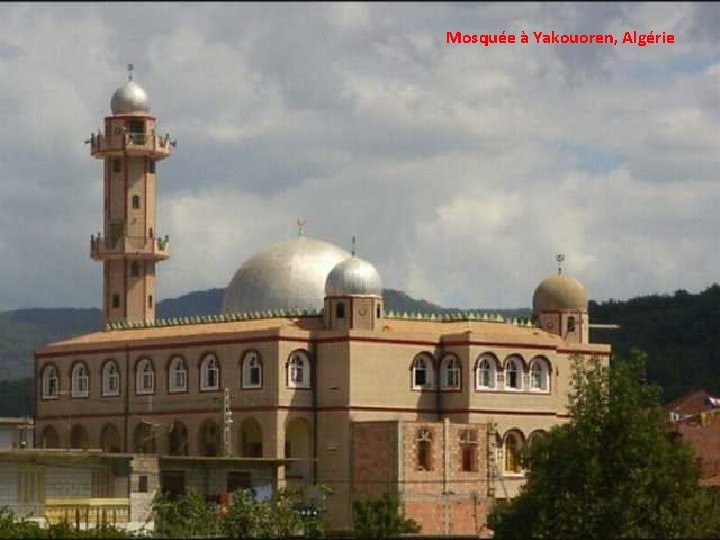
pixel 286 275
pixel 353 277
pixel 129 99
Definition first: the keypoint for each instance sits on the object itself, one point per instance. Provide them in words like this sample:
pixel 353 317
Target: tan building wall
pixel 349 377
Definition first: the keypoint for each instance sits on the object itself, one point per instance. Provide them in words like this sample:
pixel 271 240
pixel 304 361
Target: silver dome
pixel 129 99
pixel 353 277
pixel 286 275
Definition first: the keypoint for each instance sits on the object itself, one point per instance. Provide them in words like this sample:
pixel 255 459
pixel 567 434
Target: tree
pixel 379 517
pixel 612 471
pixel 188 516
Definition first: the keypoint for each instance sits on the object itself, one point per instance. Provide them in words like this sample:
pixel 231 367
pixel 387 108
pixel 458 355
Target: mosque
pixel 304 377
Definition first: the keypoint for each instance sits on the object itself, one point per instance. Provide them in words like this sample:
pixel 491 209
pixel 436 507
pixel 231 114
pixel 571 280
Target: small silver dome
pixel 353 277
pixel 130 98
pixel 286 275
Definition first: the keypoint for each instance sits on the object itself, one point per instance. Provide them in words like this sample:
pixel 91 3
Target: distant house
pixel 88 488
pixel 17 432
pixel 696 419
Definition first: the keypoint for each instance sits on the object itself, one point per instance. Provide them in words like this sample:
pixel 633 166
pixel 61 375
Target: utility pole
pixel 227 423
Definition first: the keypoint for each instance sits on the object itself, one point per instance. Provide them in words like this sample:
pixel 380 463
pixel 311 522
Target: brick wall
pixel 374 457
pixel 444 498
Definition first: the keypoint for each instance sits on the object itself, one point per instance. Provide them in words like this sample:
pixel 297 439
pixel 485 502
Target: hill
pixel 680 333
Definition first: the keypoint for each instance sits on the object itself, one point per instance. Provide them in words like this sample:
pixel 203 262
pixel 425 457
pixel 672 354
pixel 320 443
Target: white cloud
pixel 462 169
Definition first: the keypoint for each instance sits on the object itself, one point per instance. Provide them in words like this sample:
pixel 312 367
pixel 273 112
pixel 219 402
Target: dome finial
pixel 301 226
pixel 560 258
pixel 130 68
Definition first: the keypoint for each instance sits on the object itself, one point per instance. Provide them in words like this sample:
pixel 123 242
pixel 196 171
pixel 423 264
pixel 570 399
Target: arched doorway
pixel 209 439
pixel 178 439
pixel 144 439
pixel 49 438
pixel 110 438
pixel 297 446
pixel 79 437
pixel 251 443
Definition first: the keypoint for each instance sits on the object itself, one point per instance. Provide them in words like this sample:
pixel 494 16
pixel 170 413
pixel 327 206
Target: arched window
pixel 468 450
pixel 539 375
pixel 422 373
pixel 80 380
pixel 51 382
pixel 485 373
pixel 298 370
pixel 177 375
pixel 136 202
pixel 450 373
pixel 110 379
pixel 423 440
pixel 571 324
pixel 210 373
pixel 513 374
pixel 251 370
pixel 512 449
pixel 144 377
pixel 178 439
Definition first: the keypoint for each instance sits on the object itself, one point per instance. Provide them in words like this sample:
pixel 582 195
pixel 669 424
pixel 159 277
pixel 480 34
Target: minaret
pixel 129 246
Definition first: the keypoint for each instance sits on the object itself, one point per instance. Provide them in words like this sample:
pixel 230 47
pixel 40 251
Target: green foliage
pixel 380 517
pixel 680 332
pixel 613 471
pixel 185 517
pixel 192 516
pixel 11 526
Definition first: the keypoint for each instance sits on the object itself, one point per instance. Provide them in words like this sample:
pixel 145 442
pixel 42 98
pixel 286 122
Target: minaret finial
pixel 354 245
pixel 130 68
pixel 301 226
pixel 560 258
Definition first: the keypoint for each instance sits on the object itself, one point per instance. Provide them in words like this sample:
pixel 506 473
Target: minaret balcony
pixel 135 247
pixel 131 144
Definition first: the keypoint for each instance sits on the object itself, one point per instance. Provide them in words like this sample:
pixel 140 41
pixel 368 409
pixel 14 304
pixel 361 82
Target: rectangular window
pixel 423 456
pixel 117 165
pixel 173 483
pixel 115 301
pixel 255 376
pixel 150 301
pixel 142 483
pixel 31 485
pixel 100 483
pixel 468 457
pixel 238 480
pixel 151 166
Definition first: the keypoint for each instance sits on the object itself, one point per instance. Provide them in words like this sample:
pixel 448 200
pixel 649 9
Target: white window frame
pixel 491 369
pixel 543 366
pixel 177 367
pixel 79 384
pixel 298 362
pixel 106 389
pixel 209 363
pixel 450 365
pixel 517 363
pixel 47 372
pixel 424 363
pixel 141 388
pixel 251 361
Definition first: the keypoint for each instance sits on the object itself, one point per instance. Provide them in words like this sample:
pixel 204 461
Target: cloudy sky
pixel 463 169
